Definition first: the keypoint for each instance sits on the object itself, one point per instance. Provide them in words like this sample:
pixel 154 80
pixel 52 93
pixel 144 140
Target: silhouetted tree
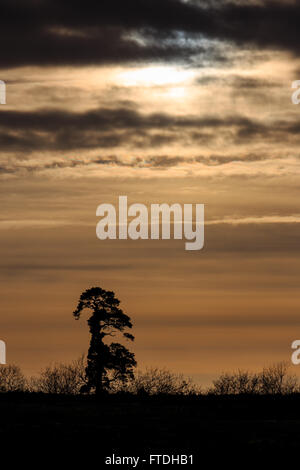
pixel 105 361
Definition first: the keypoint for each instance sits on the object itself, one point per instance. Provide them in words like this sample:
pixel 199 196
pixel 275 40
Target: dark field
pixel 76 428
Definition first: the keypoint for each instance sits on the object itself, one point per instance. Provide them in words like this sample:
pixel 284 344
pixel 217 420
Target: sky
pixel 165 101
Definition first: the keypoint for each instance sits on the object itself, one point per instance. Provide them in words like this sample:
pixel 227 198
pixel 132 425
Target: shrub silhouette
pixel 60 378
pixel 276 380
pixel 105 362
pixel 155 381
pixel 272 380
pixel 71 379
pixel 11 379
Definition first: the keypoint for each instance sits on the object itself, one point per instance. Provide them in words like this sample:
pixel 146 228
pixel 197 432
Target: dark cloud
pixel 27 131
pixel 105 46
pixel 58 33
pixel 17 167
pixel 52 32
pixel 159 162
pixel 104 127
pixel 238 82
pixel 153 162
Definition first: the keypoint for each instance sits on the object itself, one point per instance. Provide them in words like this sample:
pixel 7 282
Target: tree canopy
pixel 105 362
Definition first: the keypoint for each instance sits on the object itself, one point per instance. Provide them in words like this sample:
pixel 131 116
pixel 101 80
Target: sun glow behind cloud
pixel 156 76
